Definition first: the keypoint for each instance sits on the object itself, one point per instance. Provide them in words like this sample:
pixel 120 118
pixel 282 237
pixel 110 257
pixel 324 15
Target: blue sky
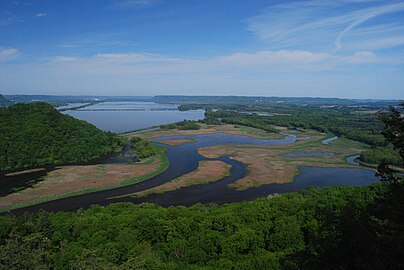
pixel 341 48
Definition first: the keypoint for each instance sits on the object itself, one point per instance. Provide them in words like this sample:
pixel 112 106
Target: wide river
pixel 125 116
pixel 184 159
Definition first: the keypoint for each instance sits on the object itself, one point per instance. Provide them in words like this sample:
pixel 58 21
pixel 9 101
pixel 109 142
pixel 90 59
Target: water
pixel 131 105
pixel 309 154
pixel 10 183
pixel 219 193
pixel 351 160
pixel 327 141
pixel 184 158
pixel 257 113
pixel 125 116
pixel 71 105
pixel 14 183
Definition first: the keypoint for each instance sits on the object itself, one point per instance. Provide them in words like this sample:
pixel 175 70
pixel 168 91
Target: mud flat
pixel 208 171
pixel 177 142
pixel 67 181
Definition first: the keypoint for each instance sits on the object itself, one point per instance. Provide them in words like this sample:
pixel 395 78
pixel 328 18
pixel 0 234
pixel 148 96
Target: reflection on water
pixel 10 183
pixel 71 105
pixel 219 193
pixel 20 180
pixel 124 116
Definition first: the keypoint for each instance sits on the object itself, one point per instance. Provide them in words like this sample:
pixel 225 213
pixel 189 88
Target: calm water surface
pixel 327 141
pixel 185 158
pixel 353 160
pixel 125 116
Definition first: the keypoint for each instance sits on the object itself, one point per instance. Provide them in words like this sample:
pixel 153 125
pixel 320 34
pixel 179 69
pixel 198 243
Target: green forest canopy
pixel 142 148
pixel 311 229
pixel 34 134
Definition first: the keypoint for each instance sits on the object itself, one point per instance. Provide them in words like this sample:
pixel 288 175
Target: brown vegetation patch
pixel 266 165
pixel 70 179
pixel 176 142
pixel 208 171
pixel 210 129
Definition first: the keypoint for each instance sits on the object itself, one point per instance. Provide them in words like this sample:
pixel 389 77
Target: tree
pixel 394 133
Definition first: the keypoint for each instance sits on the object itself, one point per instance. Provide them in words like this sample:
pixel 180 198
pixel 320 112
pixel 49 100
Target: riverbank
pixel 208 171
pixel 269 165
pixel 212 129
pixel 259 167
pixel 70 181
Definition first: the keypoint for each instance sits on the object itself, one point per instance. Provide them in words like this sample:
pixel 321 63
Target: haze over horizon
pixel 344 48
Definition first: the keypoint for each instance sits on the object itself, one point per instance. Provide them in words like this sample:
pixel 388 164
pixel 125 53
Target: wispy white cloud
pixel 295 72
pixel 7 54
pixel 293 60
pixel 7 18
pixel 322 25
pixel 364 15
pixel 262 61
pixel 40 14
pixel 114 39
pixel 135 3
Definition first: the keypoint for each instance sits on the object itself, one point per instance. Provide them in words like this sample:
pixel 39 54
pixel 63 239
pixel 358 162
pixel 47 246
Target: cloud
pixel 260 61
pixel 266 72
pixel 135 3
pixel 8 54
pixel 7 18
pixel 325 25
pixel 365 15
pixel 40 14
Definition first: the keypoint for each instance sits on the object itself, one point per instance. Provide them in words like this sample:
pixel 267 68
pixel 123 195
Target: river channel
pixel 184 158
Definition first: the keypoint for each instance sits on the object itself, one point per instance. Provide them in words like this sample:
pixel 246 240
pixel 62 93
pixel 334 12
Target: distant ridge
pixel 266 100
pixel 182 99
pixel 3 101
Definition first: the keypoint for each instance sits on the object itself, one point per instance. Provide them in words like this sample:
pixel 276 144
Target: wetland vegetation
pixel 230 157
pixel 142 148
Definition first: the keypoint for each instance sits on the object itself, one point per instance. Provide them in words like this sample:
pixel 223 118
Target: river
pixel 184 159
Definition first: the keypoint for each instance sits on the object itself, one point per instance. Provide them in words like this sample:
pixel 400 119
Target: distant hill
pixel 66 99
pixel 34 134
pixel 4 102
pixel 267 100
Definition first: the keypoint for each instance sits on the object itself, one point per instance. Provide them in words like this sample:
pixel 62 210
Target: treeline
pixel 381 155
pixel 251 100
pixel 237 118
pixel 182 125
pixel 363 128
pixel 142 148
pixel 35 134
pixel 254 122
pixel 312 229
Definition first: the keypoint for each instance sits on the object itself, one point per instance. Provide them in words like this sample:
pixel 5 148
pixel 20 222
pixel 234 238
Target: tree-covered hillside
pixel 313 229
pixel 3 101
pixel 36 134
